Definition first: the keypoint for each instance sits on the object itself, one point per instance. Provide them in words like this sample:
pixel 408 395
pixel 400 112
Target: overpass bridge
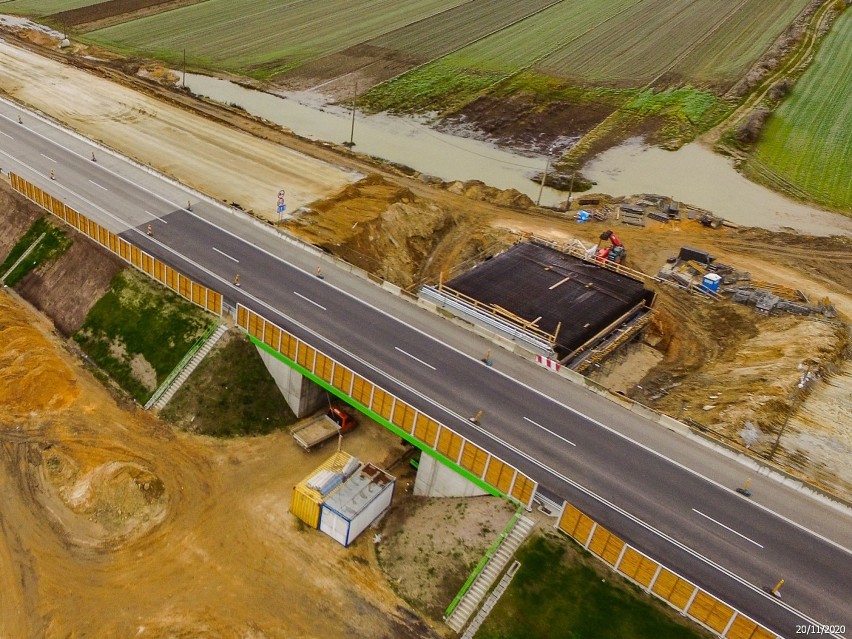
pixel 424 377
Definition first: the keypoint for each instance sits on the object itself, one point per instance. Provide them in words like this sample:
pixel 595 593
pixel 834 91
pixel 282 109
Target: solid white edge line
pixel 307 299
pixel 225 254
pixel 156 217
pixel 568 441
pixel 416 359
pixel 719 523
pixel 429 400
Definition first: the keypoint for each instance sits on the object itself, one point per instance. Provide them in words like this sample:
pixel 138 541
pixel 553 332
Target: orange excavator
pixel 613 253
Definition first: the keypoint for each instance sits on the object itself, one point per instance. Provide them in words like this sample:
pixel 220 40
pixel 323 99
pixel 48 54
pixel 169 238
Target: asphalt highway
pixel 579 447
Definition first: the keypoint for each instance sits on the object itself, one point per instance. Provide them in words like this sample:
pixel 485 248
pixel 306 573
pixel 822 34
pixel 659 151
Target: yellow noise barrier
pixel 679 593
pixel 471 459
pixel 193 291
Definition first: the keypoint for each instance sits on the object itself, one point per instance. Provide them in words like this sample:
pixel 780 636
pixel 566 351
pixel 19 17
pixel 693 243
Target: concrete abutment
pixel 303 396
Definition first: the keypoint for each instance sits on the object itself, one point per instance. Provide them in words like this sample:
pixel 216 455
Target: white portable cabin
pixel 357 503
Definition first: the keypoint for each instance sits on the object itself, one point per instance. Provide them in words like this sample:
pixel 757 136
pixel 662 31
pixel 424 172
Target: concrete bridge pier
pixel 303 396
pixel 434 479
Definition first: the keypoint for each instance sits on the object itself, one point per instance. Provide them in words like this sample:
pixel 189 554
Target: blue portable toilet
pixel 711 282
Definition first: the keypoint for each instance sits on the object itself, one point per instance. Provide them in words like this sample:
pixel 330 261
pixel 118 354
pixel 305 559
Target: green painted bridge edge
pixel 384 422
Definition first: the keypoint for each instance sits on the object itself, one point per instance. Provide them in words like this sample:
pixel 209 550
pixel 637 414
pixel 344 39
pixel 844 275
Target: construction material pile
pixel 698 271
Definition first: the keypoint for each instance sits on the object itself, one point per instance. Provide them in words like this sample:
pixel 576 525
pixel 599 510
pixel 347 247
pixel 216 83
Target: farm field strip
pixel 729 52
pixel 808 140
pixel 243 35
pixel 645 42
pixel 521 44
pixel 43 7
pixel 440 34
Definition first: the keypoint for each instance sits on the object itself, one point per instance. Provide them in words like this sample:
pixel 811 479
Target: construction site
pixel 741 333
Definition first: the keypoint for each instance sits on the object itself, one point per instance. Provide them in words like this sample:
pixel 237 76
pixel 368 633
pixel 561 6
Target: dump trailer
pixel 322 427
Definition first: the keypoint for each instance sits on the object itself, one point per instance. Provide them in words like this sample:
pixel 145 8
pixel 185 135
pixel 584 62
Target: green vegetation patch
pixel 806 145
pixel 559 594
pixel 139 331
pixel 230 393
pixel 43 7
pixel 440 85
pixel 53 244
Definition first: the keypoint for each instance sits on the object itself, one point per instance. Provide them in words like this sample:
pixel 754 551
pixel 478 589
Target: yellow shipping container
pixel 307 501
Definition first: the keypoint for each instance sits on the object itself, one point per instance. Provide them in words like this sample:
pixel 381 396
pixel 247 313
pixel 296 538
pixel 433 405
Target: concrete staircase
pixel 483 582
pixel 492 600
pixel 162 396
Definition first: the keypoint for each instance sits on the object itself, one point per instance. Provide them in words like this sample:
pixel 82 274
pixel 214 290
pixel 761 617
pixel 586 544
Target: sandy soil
pixel 161 534
pixel 222 162
pixel 428 564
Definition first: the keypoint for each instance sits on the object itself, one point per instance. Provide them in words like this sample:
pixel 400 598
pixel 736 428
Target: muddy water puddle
pixel 402 140
pixel 696 175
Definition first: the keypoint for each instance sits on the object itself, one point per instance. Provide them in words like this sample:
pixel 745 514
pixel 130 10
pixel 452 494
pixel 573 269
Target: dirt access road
pixel 114 525
pixel 219 161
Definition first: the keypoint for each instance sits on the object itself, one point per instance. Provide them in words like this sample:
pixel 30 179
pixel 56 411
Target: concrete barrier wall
pixel 193 291
pixel 653 577
pixel 439 441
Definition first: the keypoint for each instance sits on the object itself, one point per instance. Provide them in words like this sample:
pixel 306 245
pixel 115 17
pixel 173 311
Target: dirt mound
pixel 31 376
pixel 389 231
pixel 112 502
pixel 478 190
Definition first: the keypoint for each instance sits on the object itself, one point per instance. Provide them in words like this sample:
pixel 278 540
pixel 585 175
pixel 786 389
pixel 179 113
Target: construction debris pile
pixel 698 271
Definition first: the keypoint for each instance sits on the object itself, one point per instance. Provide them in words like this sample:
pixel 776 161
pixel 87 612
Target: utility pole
pixel 571 189
pixel 543 178
pixel 183 81
pixel 352 130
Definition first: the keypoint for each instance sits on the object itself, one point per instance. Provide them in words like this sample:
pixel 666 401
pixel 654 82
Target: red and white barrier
pixel 547 362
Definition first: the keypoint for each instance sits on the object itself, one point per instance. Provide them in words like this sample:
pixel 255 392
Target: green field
pixel 263 37
pixel 43 7
pixel 619 44
pixel 614 43
pixel 560 594
pixel 807 142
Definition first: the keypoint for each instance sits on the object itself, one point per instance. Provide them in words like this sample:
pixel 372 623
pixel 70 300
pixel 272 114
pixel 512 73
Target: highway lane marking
pixel 728 528
pixel 416 359
pixel 225 254
pixel 98 185
pixel 156 216
pixel 308 299
pixel 567 441
pixel 7 135
pixel 47 157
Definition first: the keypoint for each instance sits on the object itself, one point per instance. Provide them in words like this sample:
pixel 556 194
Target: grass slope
pixel 54 244
pixel 139 331
pixel 557 594
pixel 808 140
pixel 230 393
